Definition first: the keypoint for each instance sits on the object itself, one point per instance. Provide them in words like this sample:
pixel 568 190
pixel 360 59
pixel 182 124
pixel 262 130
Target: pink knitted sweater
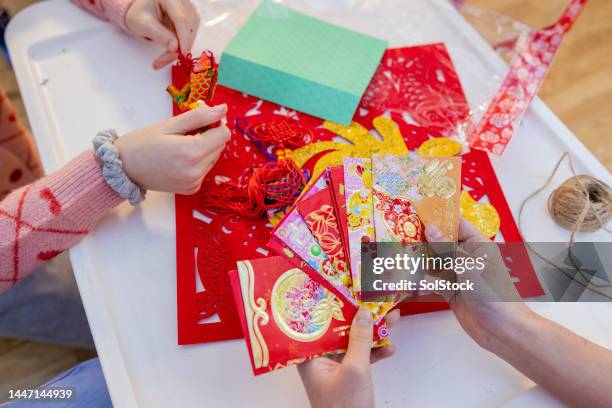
pixel 44 218
pixel 111 10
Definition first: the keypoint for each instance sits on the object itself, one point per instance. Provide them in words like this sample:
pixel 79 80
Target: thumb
pixel 157 32
pixel 433 234
pixel 469 233
pixel 438 242
pixel 360 339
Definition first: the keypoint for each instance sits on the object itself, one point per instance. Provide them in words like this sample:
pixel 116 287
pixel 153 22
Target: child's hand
pixel 163 157
pixel 170 23
pixel 348 383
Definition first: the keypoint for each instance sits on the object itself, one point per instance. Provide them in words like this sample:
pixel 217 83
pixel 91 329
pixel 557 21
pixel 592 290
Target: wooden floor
pixel 578 89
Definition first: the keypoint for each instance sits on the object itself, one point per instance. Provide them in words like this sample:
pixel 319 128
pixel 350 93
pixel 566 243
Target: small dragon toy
pixel 202 82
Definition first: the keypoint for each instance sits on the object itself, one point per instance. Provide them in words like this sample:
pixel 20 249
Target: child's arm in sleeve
pixel 45 218
pixel 172 24
pixel 110 10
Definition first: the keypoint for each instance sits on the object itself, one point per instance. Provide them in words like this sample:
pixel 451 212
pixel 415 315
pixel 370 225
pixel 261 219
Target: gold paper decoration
pixel 483 215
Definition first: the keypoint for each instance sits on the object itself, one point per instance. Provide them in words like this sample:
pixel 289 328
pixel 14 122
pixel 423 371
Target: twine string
pixel 581 203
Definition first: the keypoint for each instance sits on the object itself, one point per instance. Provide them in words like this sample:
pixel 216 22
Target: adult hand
pixel 571 367
pixel 492 308
pixel 346 381
pixel 170 23
pixel 166 157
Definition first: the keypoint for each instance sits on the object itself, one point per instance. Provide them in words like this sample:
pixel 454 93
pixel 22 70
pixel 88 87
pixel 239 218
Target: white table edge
pixel 52 158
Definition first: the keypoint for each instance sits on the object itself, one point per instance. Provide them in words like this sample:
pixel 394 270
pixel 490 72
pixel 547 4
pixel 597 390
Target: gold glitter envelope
pixel 412 191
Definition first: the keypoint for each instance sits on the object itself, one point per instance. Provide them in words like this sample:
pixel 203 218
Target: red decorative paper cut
pixel 479 179
pixel 208 243
pixel 422 82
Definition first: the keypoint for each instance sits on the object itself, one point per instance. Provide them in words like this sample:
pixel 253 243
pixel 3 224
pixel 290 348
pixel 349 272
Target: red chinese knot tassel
pixel 285 133
pixel 275 184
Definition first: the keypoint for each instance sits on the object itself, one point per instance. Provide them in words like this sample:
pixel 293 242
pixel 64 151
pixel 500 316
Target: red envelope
pixel 319 214
pixel 335 178
pixel 287 315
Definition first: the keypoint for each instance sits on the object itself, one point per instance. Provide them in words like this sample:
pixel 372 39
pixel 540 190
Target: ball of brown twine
pixel 582 203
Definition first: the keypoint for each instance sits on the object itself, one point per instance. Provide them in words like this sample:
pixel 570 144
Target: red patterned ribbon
pixel 527 72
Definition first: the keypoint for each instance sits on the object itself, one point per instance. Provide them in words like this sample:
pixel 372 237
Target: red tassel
pixel 275 184
pixel 185 62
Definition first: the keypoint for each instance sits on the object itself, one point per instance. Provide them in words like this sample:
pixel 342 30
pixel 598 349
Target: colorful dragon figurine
pixel 202 82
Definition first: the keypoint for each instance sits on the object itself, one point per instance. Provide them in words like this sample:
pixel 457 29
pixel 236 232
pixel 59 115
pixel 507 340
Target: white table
pixel 78 75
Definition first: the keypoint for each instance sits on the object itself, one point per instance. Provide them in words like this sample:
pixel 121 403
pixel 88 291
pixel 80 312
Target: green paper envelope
pixel 300 62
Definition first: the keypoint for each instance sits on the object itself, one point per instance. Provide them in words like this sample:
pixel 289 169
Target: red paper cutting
pixel 205 307
pixel 422 82
pixel 478 177
pixel 208 243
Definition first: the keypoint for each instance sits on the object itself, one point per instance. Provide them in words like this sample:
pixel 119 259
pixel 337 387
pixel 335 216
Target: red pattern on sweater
pixel 54 205
pixel 40 220
pixel 48 255
pixel 20 225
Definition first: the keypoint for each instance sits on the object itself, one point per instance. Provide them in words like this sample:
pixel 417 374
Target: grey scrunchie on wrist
pixel 112 167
